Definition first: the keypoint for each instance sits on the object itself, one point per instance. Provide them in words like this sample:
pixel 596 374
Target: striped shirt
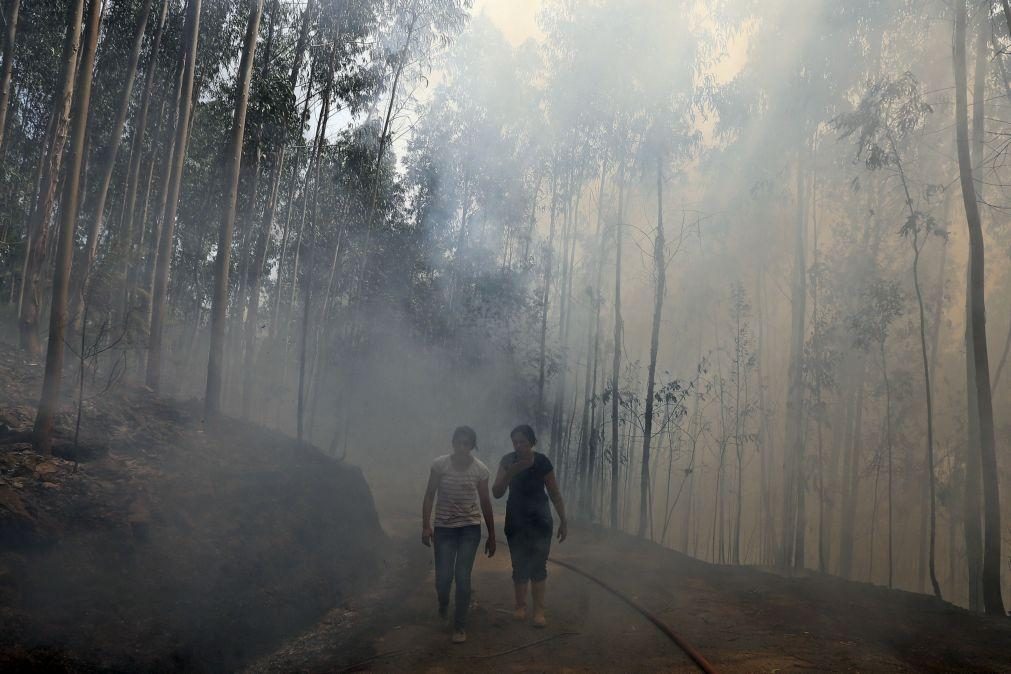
pixel 457 503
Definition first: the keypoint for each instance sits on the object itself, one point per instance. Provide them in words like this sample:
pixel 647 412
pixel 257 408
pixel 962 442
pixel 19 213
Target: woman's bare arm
pixel 489 516
pixel 556 497
pixel 426 508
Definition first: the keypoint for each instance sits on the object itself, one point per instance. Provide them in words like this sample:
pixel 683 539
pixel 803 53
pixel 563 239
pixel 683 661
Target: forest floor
pixel 161 543
pixel 741 619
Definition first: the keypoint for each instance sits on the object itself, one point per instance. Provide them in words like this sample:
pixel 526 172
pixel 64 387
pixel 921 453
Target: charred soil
pixel 741 619
pixel 162 543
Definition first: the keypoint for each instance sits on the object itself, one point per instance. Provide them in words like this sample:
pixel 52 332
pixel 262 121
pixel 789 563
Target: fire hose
pixel 688 649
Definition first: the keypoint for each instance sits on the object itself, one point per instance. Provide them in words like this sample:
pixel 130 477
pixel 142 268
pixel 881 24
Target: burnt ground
pixel 741 619
pixel 162 544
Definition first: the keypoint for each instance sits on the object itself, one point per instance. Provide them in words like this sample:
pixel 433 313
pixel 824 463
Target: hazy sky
pixel 517 19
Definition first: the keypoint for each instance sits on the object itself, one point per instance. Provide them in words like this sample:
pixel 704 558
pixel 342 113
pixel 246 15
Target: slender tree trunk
pixel 168 162
pixel 593 325
pixel 616 361
pixel 38 225
pixel 533 218
pixel 992 600
pixel 128 215
pixel 560 380
pixel 545 298
pixel 108 163
pixel 42 437
pixel 212 401
pixel 1003 359
pixel 971 501
pixel 660 270
pixel 163 261
pixel 930 421
pixel 888 450
pixel 792 552
pixel 370 217
pixel 260 252
pixel 13 8
pixel 303 344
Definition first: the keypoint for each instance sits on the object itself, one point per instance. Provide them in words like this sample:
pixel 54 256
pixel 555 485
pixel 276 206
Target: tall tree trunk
pixel 150 257
pixel 383 142
pixel 128 214
pixel 303 343
pixel 108 164
pixel 888 458
pixel 163 260
pixel 545 299
pixel 583 469
pixel 42 437
pixel 533 218
pixel 971 501
pixel 219 305
pixel 930 421
pixel 564 322
pixel 13 9
pixel 616 361
pixel 792 552
pixel 992 600
pixel 930 505
pixel 660 269
pixel 263 241
pixel 38 224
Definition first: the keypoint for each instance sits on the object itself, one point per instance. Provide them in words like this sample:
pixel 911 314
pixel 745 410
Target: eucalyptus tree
pixel 45 419
pixel 11 13
pixel 890 112
pixel 233 162
pixel 881 306
pixel 29 307
pixel 108 160
pixel 165 240
pixel 976 318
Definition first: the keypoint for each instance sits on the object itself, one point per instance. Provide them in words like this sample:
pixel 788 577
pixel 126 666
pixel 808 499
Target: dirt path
pixel 743 620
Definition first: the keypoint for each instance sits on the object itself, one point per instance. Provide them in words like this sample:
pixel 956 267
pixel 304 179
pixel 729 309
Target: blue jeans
pixel 455 550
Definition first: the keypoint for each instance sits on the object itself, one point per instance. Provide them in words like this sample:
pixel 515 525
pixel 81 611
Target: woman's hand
pixel 489 546
pixel 426 536
pixel 563 530
pixel 521 465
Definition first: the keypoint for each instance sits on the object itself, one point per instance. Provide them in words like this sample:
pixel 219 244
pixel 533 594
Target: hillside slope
pixel 167 544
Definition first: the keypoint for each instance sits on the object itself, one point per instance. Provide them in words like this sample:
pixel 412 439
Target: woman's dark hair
pixel 465 433
pixel 526 431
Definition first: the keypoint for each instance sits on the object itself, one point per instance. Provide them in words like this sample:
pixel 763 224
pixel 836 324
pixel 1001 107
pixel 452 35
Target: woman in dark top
pixel 530 479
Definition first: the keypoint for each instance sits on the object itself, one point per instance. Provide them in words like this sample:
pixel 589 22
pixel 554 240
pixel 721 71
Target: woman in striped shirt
pixel 461 482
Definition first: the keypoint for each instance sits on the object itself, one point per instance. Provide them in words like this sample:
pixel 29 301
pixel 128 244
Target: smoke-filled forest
pixel 744 268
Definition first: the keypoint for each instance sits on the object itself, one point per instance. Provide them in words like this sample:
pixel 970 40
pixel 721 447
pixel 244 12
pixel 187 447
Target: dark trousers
pixel 455 550
pixel 529 549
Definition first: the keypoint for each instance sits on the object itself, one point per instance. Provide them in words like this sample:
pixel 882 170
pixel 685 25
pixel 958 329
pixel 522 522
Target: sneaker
pixel 539 619
pixel 459 636
pixel 520 613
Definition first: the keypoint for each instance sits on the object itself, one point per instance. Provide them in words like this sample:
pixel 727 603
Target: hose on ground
pixel 688 649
